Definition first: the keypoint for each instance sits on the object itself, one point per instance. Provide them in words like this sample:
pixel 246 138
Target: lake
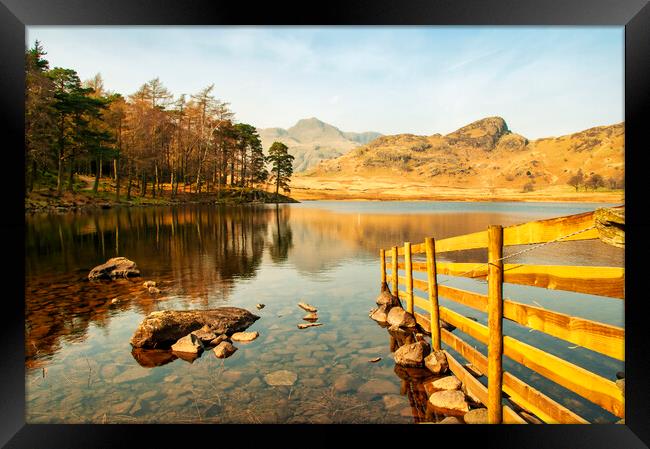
pixel 80 367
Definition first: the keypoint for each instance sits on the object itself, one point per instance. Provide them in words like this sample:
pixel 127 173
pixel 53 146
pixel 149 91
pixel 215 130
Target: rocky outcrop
pixel 412 355
pixel 117 267
pixel 161 329
pixel 484 134
pixel 512 142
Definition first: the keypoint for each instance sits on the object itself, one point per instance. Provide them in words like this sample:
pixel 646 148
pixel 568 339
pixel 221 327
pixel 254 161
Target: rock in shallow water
pixel 436 362
pixel 400 318
pixel 161 329
pixel 446 383
pixel 412 355
pixel 205 335
pixel 190 344
pixel 224 350
pixel 307 307
pixel 244 336
pixel 281 377
pixel 380 314
pixel 449 402
pixel 117 267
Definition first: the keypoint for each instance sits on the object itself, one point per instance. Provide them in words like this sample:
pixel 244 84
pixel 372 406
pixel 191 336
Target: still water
pixel 80 367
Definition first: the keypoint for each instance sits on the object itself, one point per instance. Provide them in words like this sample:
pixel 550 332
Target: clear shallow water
pixel 80 366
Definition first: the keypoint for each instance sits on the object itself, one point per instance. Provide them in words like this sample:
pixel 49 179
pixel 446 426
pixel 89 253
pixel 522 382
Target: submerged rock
pixel 400 318
pixel 117 267
pixel 148 284
pixel 161 329
pixel 244 336
pixel 412 355
pixel 154 290
pixel 411 374
pixel 190 344
pixel 224 350
pixel 306 325
pixel 281 377
pixel 449 402
pixel 436 362
pixel 347 382
pixel 260 306
pixel 310 317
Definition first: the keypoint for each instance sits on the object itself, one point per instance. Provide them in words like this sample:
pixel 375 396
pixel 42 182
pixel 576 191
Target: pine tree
pixel 282 166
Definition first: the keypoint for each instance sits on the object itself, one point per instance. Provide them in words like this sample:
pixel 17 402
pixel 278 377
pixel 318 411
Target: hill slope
pixel 483 154
pixel 311 141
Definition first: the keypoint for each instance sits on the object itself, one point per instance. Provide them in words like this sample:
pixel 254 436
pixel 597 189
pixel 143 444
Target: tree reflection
pixel 282 237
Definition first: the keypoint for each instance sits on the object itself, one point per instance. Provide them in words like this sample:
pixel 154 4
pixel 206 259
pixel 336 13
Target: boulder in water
pixel 117 267
pixel 161 329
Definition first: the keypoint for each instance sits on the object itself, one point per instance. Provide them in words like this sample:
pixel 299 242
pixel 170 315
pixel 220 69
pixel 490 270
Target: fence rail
pixel 600 337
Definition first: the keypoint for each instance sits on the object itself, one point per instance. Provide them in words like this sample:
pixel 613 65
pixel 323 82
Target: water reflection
pixel 209 256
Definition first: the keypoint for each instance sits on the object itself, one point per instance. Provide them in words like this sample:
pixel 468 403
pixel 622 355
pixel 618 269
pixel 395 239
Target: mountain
pixel 485 154
pixel 311 141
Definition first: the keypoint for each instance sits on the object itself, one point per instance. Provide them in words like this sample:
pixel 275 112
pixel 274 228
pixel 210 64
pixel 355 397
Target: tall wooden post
pixel 395 271
pixel 408 268
pixel 495 323
pixel 430 247
pixel 382 259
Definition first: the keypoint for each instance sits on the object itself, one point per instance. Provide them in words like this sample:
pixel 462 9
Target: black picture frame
pixel 15 15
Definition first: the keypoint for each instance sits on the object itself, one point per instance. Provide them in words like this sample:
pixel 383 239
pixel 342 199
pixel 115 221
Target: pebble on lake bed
pixel 260 306
pixel 154 290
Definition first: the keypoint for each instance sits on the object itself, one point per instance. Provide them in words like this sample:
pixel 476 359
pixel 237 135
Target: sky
pixel 544 81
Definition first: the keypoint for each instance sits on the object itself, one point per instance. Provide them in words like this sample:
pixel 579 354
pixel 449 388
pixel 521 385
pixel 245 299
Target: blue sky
pixel 544 81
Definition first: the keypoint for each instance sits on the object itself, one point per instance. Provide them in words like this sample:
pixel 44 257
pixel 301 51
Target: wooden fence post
pixel 395 271
pixel 382 258
pixel 408 268
pixel 495 323
pixel 430 247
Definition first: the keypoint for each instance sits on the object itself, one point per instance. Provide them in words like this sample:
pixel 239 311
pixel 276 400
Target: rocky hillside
pixel 485 153
pixel 311 141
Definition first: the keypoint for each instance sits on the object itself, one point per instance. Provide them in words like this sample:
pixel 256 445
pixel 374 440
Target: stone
pixel 412 374
pixel 400 318
pixel 307 307
pixel 449 402
pixel 436 362
pixel 412 355
pixel 281 377
pixel 190 344
pixel 446 383
pixel 620 383
pixel 620 375
pixel 117 267
pixel 305 326
pixel 450 420
pixel 244 336
pixel 347 382
pixel 154 290
pixel 219 339
pixel 388 300
pixel 378 387
pixel 260 306
pixel 401 337
pixel 380 314
pixel 224 350
pixel 310 317
pixel 375 360
pixel 161 329
pixel 474 371
pixel 205 335
pixel 476 416
pixel 148 284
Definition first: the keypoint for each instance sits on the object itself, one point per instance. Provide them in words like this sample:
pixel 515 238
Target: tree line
pixel 143 141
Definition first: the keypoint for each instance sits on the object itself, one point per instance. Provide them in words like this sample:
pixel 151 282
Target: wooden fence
pixel 600 337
